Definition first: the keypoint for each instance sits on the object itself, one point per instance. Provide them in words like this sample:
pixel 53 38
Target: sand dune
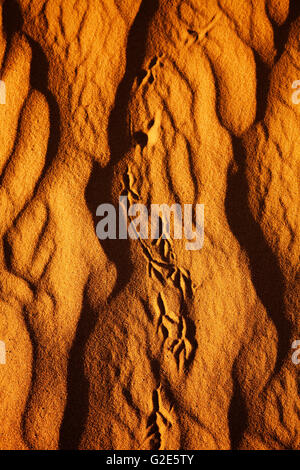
pixel 142 344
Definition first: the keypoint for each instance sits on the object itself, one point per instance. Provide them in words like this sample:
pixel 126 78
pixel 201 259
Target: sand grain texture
pixel 140 344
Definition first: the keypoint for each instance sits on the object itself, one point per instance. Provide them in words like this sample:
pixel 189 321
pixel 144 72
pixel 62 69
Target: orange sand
pixel 123 344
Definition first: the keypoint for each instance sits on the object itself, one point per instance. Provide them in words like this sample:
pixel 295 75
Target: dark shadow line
pixel 34 345
pixel 281 33
pixel 266 274
pixel 100 184
pixel 12 22
pixel 263 71
pixel 237 412
pixel 99 190
pixel 118 134
pixel 77 407
pixel 39 73
pixel 39 70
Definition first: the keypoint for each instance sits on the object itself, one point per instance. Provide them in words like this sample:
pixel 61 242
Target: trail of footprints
pixel 159 421
pixel 171 322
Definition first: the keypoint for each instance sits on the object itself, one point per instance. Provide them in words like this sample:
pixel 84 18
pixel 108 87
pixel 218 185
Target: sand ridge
pixel 142 344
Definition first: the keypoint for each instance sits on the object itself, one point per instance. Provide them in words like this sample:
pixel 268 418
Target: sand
pixel 142 344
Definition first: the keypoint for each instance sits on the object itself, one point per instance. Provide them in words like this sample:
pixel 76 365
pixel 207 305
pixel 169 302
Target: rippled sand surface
pixel 142 344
